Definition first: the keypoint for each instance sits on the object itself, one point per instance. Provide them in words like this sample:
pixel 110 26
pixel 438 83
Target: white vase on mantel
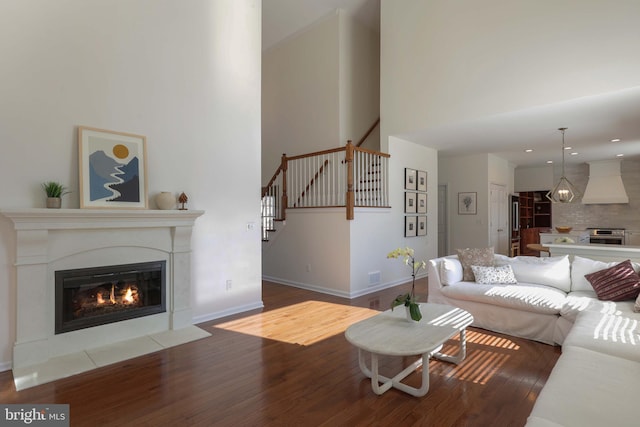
pixel 165 200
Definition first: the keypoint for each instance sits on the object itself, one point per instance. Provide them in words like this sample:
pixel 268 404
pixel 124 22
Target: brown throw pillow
pixel 475 256
pixel 617 283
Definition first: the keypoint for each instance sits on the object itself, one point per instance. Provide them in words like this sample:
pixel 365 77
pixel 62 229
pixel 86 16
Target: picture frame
pixel 467 203
pixel 421 180
pixel 421 203
pixel 112 169
pixel 421 227
pixel 410 182
pixel 410 223
pixel 410 202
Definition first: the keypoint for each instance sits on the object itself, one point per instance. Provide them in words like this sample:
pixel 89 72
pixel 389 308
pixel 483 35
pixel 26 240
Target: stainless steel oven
pixel 606 236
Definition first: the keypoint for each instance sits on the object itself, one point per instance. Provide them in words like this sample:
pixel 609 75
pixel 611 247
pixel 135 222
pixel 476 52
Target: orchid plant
pixel 408 299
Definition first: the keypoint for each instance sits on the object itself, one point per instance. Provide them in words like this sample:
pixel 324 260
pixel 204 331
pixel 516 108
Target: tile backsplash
pixel 581 216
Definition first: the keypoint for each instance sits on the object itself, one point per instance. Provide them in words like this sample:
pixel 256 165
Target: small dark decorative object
pixel 182 198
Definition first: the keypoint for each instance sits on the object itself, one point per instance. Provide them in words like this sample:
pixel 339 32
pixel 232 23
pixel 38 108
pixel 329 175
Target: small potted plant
pixel 54 191
pixel 408 299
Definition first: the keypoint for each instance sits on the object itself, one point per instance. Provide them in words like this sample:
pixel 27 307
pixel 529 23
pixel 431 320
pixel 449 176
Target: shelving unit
pixel 535 216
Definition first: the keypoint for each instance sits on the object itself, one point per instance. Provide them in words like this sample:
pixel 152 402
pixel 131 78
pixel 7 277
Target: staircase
pixel 348 176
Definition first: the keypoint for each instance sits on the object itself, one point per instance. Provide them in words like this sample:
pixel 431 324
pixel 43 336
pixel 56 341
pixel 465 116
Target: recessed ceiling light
pixel 575 153
pixel 549 161
pixel 568 148
pixel 619 155
pixel 615 140
pixel 528 150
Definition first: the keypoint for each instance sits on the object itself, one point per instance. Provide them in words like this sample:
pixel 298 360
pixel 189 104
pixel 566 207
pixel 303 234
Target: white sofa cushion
pixel 450 271
pixel 587 388
pixel 528 297
pixel 582 266
pixel 614 330
pixel 579 301
pixel 548 271
pixel 498 274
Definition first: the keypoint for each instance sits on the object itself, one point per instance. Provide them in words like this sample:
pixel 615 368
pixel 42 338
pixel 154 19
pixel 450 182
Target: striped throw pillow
pixel 617 283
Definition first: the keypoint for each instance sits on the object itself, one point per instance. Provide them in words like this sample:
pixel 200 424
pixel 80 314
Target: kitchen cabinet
pixel 535 217
pixel 632 238
pixel 528 236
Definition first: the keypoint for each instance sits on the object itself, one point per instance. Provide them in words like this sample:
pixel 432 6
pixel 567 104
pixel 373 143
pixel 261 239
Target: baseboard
pixel 5 366
pixel 228 312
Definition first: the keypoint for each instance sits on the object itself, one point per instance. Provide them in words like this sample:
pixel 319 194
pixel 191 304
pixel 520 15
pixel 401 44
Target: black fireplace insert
pixel 88 297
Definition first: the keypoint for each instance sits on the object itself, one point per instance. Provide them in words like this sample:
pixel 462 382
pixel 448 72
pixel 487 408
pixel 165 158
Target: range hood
pixel 605 183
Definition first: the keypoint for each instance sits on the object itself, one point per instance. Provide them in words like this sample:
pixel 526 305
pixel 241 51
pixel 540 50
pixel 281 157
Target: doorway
pixel 499 223
pixel 443 220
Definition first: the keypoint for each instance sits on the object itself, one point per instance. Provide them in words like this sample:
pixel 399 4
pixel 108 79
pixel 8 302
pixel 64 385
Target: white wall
pixel 184 74
pixel 406 154
pixel 462 175
pixel 311 250
pixel 449 61
pixel 534 178
pixel 300 99
pixel 321 87
pixel 359 81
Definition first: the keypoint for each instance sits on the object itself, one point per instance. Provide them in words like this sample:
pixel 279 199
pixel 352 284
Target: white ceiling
pixel 591 122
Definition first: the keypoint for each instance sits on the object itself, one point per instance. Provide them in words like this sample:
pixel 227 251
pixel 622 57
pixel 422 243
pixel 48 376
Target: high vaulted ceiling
pixel 591 122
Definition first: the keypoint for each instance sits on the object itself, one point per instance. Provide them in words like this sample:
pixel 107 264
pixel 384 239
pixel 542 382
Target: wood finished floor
pixel 290 365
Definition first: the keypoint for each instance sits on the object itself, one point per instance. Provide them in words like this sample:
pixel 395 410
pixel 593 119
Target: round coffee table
pixel 390 334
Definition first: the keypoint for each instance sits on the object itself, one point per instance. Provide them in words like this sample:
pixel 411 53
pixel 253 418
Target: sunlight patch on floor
pixel 304 323
pixel 480 365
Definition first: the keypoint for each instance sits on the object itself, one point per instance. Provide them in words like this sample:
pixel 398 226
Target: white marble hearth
pixel 49 240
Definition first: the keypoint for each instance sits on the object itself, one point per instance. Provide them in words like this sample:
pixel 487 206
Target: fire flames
pixel 127 297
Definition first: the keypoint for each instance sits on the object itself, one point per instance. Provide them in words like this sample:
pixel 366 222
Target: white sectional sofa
pixel 594 381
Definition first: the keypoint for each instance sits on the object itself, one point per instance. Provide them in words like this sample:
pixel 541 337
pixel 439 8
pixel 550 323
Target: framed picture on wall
pixel 113 169
pixel 422 180
pixel 467 203
pixel 421 228
pixel 410 202
pixel 410 179
pixel 422 203
pixel 410 223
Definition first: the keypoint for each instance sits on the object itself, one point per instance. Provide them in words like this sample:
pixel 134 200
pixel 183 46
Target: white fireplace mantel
pixel 59 219
pixel 48 240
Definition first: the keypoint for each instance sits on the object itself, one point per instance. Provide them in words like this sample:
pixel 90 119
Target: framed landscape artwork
pixel 467 203
pixel 113 169
pixel 410 223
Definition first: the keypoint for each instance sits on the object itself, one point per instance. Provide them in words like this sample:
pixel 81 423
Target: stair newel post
pixel 350 202
pixel 283 167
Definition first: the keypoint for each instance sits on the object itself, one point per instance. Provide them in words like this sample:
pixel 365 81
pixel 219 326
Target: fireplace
pixel 88 297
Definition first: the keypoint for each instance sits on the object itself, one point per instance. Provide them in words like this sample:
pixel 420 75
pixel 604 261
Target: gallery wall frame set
pixel 415 202
pixel 415 225
pixel 112 169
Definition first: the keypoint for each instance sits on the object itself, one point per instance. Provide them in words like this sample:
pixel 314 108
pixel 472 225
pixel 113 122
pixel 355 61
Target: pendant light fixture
pixel 564 191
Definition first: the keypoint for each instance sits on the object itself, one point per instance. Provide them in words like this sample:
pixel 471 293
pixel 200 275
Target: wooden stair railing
pixel 278 212
pixel 368 132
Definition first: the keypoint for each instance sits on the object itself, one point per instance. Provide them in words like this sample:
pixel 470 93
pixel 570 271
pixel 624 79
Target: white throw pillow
pixel 494 275
pixel 450 271
pixel 580 267
pixel 549 271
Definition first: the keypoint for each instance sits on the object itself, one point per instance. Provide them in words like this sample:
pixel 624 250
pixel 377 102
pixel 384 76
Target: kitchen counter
pixel 594 251
pixel 578 236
